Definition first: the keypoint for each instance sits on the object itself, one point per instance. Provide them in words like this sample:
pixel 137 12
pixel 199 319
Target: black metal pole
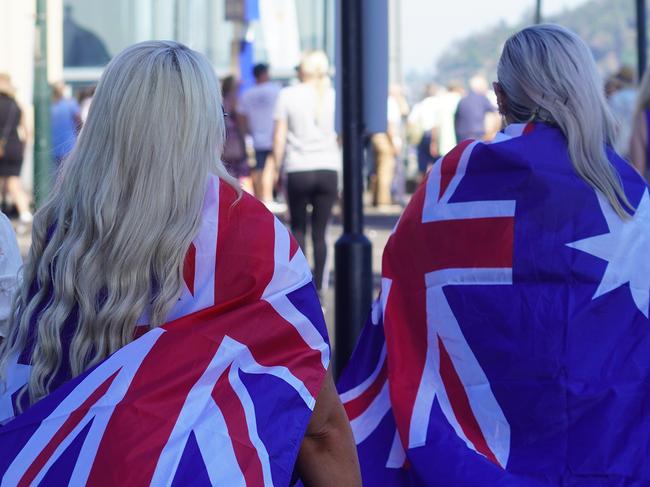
pixel 641 37
pixel 353 253
pixel 538 12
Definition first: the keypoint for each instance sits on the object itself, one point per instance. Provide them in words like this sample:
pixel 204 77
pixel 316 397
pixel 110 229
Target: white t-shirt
pixel 258 104
pixel 311 139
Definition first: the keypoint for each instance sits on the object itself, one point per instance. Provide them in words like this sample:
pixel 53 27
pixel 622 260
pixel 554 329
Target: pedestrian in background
pixel 234 153
pixel 472 110
pixel 639 147
pixel 12 148
pixel 256 108
pixel 306 141
pixel 424 120
pixel 85 99
pixel 622 104
pixel 66 122
pixel 386 149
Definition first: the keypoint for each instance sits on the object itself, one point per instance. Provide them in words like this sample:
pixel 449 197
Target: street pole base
pixel 353 294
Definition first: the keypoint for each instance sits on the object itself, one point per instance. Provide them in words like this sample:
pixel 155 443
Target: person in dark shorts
pixel 12 148
pixel 256 108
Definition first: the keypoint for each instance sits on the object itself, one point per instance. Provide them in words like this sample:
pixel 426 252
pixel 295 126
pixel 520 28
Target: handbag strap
pixel 9 121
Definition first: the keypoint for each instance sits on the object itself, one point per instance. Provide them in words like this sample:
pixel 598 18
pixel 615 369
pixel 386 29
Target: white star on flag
pixel 17 377
pixel 626 248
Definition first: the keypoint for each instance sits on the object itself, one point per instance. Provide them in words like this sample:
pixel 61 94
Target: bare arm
pixel 279 140
pixel 639 144
pixel 328 455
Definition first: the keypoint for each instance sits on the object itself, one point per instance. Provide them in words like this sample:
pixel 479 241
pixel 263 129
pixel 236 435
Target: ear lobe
pixel 501 98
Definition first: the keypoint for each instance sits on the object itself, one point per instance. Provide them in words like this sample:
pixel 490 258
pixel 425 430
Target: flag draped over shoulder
pixel 510 344
pixel 221 395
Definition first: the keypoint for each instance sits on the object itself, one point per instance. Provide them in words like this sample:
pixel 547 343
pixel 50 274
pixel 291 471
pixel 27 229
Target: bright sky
pixel 430 26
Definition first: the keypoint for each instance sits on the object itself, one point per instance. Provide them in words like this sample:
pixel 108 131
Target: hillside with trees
pixel 608 26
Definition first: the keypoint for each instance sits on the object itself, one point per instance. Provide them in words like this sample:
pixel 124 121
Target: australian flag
pixel 220 395
pixel 510 344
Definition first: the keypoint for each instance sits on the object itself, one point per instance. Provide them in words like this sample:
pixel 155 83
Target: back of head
pixel 261 72
pixel 6 87
pixel 626 76
pixel 478 84
pixel 314 70
pixel 58 90
pixel 314 65
pixel 548 74
pixel 111 241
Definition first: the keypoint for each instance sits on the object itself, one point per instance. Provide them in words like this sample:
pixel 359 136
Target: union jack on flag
pixel 220 395
pixel 510 344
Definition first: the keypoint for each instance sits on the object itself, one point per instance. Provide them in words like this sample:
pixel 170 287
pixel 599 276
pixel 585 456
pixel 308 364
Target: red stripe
pixel 233 411
pixel 360 404
pixel 293 246
pixel 70 424
pixel 463 244
pixel 245 249
pixel 280 344
pixel 450 165
pixel 405 315
pixel 530 127
pixel 460 404
pixel 142 422
pixel 189 268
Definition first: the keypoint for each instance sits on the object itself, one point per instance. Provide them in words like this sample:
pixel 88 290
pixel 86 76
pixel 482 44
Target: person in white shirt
pixel 256 107
pixel 305 140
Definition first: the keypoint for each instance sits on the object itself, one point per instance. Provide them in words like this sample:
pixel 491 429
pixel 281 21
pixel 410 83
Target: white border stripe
pixel 365 424
pixel 127 360
pixel 355 392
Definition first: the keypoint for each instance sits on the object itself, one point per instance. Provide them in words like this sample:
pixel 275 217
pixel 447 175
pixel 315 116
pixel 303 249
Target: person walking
pixel 622 104
pixel 306 141
pixel 472 109
pixel 12 148
pixel 66 122
pixel 234 153
pixel 639 149
pixel 256 109
pixel 166 330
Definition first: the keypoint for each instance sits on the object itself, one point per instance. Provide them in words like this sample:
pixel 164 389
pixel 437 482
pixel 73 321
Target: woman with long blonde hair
pixel 305 143
pixel 148 248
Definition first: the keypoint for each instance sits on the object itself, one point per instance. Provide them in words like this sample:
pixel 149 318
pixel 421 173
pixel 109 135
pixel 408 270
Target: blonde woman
pixel 513 330
pixel 639 146
pixel 167 325
pixel 305 141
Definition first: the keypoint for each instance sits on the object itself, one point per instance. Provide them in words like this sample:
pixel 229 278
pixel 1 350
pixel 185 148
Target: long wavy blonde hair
pixel 548 73
pixel 111 240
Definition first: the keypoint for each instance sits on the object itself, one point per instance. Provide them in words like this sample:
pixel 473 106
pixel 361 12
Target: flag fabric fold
pixel 219 395
pixel 510 344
